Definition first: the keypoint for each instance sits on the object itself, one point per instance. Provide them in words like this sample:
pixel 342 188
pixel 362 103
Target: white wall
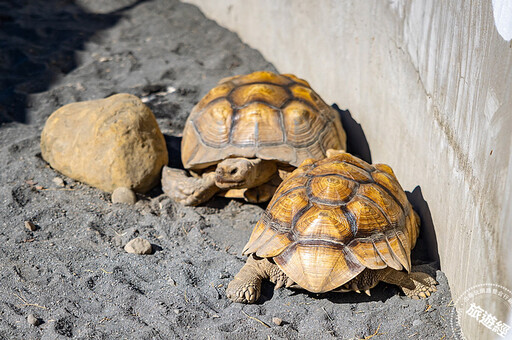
pixel 430 83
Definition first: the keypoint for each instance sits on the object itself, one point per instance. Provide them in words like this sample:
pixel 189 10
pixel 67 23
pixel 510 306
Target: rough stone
pixel 123 195
pixel 30 226
pixel 33 320
pixel 138 246
pixel 277 321
pixel 58 182
pixel 106 143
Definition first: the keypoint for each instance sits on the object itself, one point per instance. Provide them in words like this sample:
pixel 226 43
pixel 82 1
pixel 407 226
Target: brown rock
pixel 138 246
pixel 106 143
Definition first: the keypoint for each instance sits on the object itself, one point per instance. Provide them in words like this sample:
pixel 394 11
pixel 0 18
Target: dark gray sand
pixel 72 272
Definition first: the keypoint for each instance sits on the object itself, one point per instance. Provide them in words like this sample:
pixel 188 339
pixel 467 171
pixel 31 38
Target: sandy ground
pixel 72 272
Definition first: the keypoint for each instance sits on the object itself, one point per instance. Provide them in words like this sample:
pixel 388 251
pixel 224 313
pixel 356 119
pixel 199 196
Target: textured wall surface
pixel 430 85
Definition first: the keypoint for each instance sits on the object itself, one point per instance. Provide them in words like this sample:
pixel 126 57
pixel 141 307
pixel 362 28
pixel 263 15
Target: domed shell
pixel 260 115
pixel 331 219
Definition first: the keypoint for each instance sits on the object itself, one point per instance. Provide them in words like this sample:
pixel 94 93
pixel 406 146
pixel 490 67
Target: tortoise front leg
pixel 246 285
pixel 264 192
pixel 188 190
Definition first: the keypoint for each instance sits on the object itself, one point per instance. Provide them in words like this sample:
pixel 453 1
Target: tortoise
pixel 247 134
pixel 337 224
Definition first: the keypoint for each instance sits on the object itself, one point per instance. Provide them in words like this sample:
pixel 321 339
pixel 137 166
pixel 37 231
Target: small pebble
pixel 30 226
pixel 417 322
pixel 138 246
pixel 223 275
pixel 59 182
pixel 277 321
pixel 31 319
pixel 123 195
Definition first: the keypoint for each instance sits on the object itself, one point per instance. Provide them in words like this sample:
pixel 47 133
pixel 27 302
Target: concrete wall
pixel 430 83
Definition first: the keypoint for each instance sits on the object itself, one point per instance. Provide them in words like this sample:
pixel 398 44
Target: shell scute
pixel 271 95
pixel 331 189
pixel 214 126
pixel 256 124
pixel 369 218
pixel 286 207
pixel 317 224
pixel 318 268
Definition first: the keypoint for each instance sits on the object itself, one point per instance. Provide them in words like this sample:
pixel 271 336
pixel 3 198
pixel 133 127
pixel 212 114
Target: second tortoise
pixel 247 134
pixel 338 224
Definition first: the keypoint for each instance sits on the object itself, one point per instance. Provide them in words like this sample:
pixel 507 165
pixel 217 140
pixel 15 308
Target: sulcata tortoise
pixel 338 224
pixel 247 134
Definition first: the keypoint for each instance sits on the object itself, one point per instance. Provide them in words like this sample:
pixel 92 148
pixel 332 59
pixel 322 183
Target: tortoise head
pixel 236 173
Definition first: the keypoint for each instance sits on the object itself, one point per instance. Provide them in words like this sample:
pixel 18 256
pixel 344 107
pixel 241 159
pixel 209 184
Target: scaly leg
pixel 415 285
pixel 246 285
pixel 187 190
pixel 264 192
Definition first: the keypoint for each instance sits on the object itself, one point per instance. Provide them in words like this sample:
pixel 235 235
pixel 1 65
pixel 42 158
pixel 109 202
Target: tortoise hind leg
pixel 415 285
pixel 246 285
pixel 188 190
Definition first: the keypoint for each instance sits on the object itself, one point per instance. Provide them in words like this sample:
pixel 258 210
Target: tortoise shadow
pixel 381 292
pixel 267 292
pixel 426 249
pixel 357 144
pixel 173 144
pixel 156 248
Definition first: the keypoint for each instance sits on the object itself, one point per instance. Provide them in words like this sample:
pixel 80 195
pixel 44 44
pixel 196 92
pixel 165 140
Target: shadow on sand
pixel 38 41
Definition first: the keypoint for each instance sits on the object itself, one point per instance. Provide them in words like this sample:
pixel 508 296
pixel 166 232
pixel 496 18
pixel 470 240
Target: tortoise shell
pixel 331 219
pixel 260 115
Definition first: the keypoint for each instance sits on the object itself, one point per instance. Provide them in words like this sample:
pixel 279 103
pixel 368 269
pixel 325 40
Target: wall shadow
pixel 357 144
pixel 38 40
pixel 426 249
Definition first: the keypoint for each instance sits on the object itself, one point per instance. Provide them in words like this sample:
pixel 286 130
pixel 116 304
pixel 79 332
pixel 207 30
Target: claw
pixel 279 284
pixel 247 296
pixel 427 293
pixel 187 191
pixel 367 292
pixel 289 282
pixel 422 294
pixel 355 288
pixel 251 290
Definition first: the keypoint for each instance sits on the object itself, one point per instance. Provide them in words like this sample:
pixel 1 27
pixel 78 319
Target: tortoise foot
pixel 243 291
pixel 185 189
pixel 279 278
pixel 424 286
